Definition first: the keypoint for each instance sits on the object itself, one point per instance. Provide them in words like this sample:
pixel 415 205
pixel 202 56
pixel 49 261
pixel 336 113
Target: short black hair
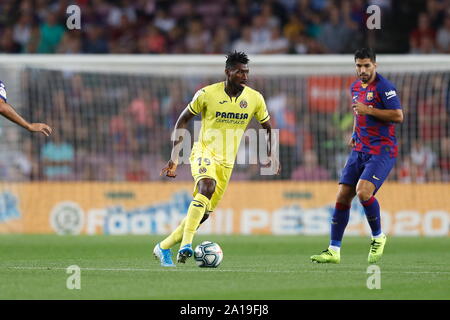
pixel 365 53
pixel 234 58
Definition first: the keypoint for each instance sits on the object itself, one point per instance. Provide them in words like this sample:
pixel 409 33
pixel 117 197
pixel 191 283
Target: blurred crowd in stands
pixel 111 131
pixel 215 27
pixel 118 128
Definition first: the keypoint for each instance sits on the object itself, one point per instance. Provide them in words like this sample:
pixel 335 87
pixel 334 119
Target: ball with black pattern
pixel 208 255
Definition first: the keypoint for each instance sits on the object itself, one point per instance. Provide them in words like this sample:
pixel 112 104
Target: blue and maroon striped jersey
pixel 3 91
pixel 372 135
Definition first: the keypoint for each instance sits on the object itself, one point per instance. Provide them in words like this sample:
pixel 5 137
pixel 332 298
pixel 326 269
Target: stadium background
pixel 112 115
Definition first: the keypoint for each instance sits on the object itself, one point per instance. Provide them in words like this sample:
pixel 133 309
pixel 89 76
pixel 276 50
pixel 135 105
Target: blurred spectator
pixel 432 115
pixel 404 170
pixel 444 159
pixel 422 160
pixel 335 35
pixel 94 42
pixel 15 164
pixel 300 45
pixel 276 44
pixel 358 37
pixel 58 157
pixel 245 42
pixel 163 21
pixel 33 43
pixel 143 111
pixel 210 12
pixel 123 37
pixel 423 37
pixel 197 39
pixel 70 43
pixel 310 170
pixel 136 172
pixel 385 5
pixel 41 9
pixel 283 118
pixel 121 134
pixel 319 5
pixel 7 42
pixel 436 11
pixel 260 31
pixel 220 41
pixel 234 28
pixel 182 9
pixel 171 104
pixel 293 28
pixel 289 5
pixel 22 30
pixel 51 34
pixel 358 13
pixel 153 41
pixel 314 27
pixel 91 16
pixel 443 37
pixel 268 16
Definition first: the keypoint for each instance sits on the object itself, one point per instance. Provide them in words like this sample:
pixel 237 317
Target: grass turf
pixel 254 267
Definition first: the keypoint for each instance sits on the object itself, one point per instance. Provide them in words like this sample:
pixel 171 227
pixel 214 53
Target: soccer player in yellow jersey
pixel 226 109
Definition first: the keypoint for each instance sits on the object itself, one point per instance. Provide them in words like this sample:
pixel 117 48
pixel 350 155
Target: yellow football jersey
pixel 225 119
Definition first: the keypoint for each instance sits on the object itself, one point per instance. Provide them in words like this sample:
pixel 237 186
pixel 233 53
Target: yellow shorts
pixel 204 166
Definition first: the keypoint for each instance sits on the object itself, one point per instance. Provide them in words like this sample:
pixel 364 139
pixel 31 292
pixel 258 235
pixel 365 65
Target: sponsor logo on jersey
pixel 231 115
pixel 222 102
pixel 202 170
pixel 390 94
pixel 243 104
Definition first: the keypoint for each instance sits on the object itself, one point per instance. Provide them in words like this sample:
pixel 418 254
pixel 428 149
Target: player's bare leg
pixel 197 210
pixel 340 219
pixel 365 190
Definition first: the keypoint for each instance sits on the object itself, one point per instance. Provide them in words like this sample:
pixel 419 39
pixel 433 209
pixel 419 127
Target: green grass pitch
pixel 254 267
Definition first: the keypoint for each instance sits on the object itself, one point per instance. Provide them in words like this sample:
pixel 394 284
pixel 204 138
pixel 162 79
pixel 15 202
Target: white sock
pixel 378 236
pixel 334 248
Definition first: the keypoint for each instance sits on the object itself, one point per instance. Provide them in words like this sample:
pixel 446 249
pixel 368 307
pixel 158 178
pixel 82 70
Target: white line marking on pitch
pixel 219 270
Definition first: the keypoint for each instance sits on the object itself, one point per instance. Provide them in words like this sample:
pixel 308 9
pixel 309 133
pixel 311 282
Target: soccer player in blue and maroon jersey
pixel 377 108
pixel 8 112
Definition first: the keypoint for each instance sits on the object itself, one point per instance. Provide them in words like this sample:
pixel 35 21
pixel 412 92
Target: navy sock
pixel 372 210
pixel 339 221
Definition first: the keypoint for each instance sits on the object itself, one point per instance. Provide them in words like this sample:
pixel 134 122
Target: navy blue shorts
pixel 372 167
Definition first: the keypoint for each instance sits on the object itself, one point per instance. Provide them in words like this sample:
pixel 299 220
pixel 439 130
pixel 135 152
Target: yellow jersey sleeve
pixel 261 113
pixel 198 102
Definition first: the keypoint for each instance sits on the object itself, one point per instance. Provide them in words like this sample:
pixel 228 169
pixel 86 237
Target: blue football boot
pixel 164 255
pixel 184 253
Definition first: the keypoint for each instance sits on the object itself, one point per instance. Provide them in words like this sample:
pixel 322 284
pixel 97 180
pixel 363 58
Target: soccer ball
pixel 208 255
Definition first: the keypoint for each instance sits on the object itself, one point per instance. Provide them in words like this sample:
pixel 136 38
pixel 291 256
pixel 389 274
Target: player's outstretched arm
pixel 274 161
pixel 177 137
pixel 8 112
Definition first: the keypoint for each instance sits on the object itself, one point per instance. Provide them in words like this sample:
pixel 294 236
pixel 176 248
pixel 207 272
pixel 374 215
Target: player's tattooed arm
pixel 389 115
pixel 177 139
pixel 9 113
pixel 273 156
